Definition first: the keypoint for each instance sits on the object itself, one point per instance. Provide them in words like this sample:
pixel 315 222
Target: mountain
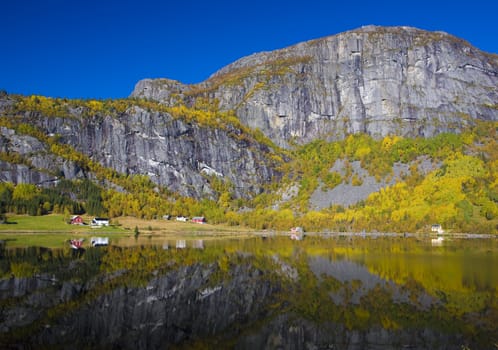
pixel 320 125
pixel 166 145
pixel 375 80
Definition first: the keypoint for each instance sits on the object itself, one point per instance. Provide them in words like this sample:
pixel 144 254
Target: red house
pixel 199 219
pixel 77 220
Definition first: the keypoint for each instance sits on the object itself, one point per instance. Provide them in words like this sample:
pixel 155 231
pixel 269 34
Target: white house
pixel 100 222
pixel 437 228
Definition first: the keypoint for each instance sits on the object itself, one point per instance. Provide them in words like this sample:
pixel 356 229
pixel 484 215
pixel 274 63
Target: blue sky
pixel 100 49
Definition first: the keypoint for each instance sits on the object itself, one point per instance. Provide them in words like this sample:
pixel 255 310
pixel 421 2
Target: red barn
pixel 199 219
pixel 77 220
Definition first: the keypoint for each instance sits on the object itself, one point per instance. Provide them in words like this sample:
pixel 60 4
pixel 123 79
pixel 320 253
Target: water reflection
pixel 463 265
pixel 450 288
pixel 437 241
pixel 349 274
pixel 341 292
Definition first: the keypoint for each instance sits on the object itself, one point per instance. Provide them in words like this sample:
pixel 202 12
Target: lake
pixel 336 292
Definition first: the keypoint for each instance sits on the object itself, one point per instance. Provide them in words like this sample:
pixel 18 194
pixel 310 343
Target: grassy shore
pixel 54 231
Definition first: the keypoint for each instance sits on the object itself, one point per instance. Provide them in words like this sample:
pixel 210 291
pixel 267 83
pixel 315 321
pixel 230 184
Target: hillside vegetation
pixel 459 191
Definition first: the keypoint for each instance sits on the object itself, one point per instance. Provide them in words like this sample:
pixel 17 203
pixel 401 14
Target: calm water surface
pixel 347 292
pixel 447 285
pixel 418 285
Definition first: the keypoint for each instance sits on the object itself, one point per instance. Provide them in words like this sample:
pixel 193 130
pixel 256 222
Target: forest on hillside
pixel 460 192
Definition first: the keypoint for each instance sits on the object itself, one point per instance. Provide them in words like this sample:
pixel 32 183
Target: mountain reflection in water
pixel 319 293
pixel 348 273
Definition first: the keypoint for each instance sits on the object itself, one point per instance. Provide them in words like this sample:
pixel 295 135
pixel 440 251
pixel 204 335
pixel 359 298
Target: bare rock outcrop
pixel 174 153
pixel 377 80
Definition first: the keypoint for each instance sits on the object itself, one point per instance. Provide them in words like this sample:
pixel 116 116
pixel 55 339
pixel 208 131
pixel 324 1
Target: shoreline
pixel 58 239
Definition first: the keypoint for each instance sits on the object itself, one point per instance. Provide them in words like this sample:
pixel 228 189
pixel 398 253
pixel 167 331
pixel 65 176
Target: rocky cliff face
pixel 373 80
pixel 173 152
pixel 378 80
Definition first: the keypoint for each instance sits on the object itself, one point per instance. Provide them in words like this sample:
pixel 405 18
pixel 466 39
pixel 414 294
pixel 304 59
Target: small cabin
pixel 100 222
pixel 199 219
pixel 437 228
pixel 77 220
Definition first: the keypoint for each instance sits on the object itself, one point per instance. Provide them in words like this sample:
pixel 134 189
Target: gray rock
pixel 173 153
pixel 346 194
pixel 378 80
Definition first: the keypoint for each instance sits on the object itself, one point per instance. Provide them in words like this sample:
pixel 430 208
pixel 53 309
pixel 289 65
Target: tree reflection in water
pixel 347 292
